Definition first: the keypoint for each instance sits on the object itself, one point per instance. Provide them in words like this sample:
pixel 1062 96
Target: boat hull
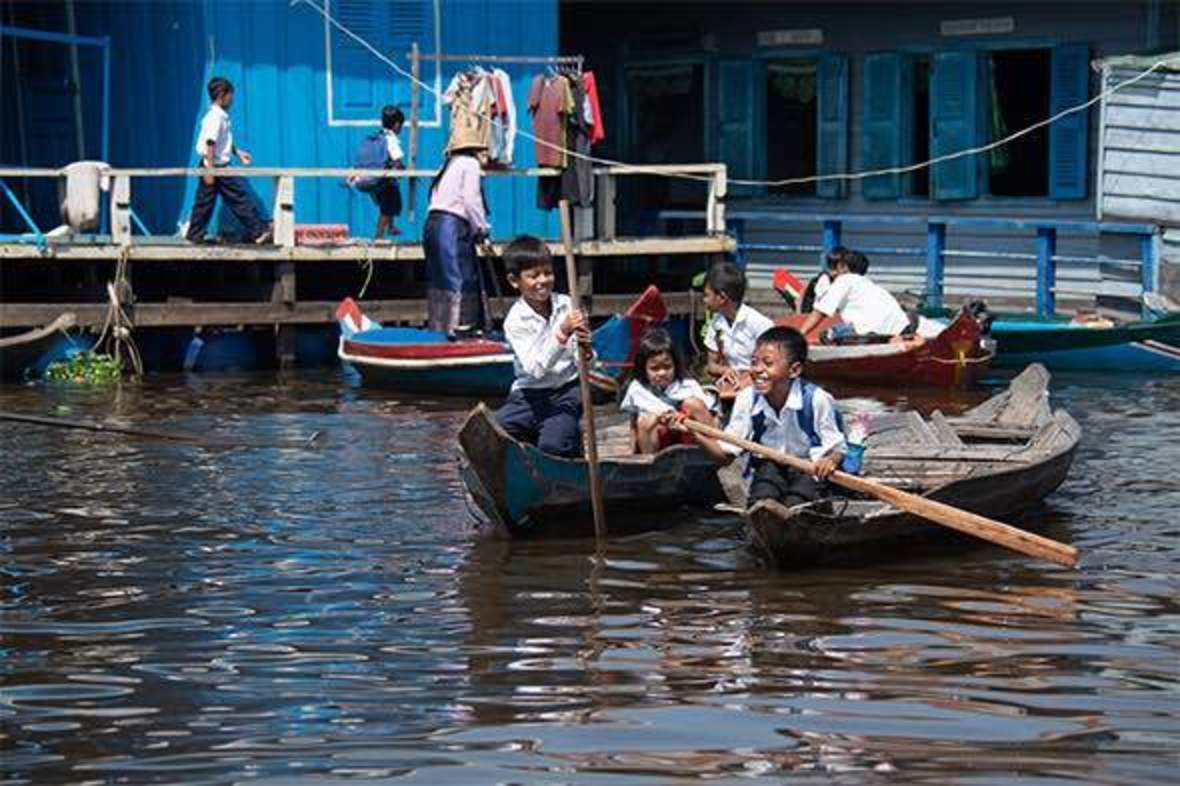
pixel 27 355
pixel 956 357
pixel 523 492
pixel 1148 346
pixel 803 536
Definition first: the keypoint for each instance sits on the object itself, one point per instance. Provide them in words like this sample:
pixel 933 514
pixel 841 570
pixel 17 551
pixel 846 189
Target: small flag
pixel 788 286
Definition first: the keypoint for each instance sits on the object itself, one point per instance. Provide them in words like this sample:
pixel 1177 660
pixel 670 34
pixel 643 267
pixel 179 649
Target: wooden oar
pixel 938 512
pixel 201 440
pixel 589 436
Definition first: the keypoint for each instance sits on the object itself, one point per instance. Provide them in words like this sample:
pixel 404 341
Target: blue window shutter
pixel 1069 136
pixel 735 142
pixel 361 82
pixel 954 124
pixel 832 117
pixel 885 122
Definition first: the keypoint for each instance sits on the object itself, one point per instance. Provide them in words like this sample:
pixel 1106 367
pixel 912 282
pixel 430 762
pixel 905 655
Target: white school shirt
pixel 540 360
pixel 782 432
pixel 215 128
pixel 393 146
pixel 738 339
pixel 643 400
pixel 867 306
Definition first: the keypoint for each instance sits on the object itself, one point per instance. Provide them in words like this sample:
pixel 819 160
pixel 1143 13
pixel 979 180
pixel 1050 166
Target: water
pixel 179 615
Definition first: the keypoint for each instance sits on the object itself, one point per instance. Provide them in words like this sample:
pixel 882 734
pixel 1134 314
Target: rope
pixel 790 181
pixel 367 265
pixel 117 328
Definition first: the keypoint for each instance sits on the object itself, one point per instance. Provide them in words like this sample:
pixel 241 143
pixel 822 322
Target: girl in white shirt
pixel 658 385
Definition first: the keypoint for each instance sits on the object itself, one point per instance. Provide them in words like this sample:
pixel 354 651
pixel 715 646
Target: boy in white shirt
pixel 544 330
pixel 215 146
pixel 389 196
pixel 866 307
pixel 784 412
pixel 734 328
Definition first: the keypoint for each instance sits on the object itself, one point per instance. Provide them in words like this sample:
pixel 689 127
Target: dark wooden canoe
pixel 524 492
pixel 1002 457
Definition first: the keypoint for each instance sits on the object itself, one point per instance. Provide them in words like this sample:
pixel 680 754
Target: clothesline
pixel 897 170
pixel 509 59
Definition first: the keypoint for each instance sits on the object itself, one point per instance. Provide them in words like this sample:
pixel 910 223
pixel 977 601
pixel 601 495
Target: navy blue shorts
pixel 549 418
pixel 388 198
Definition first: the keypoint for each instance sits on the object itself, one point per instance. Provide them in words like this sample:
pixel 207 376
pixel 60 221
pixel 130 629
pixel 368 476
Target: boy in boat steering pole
pixel 784 412
pixel 544 329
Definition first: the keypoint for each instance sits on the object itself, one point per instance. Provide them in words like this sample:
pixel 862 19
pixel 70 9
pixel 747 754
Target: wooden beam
pixel 188 314
pixel 167 250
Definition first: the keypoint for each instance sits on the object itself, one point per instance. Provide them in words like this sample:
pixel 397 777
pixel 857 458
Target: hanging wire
pixel 790 181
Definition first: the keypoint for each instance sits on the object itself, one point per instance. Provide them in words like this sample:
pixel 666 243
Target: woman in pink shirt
pixel 456 224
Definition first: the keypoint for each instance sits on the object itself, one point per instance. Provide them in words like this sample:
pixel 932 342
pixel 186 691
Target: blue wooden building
pixel 306 93
pixel 790 90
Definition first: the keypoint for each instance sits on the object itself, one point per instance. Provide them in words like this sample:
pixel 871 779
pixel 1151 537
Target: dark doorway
pixel 920 127
pixel 1018 96
pixel 791 131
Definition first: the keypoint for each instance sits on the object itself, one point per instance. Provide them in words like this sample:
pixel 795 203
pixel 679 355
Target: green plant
pixel 86 368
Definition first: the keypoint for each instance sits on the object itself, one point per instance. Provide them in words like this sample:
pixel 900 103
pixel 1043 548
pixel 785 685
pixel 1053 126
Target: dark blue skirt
pixel 449 245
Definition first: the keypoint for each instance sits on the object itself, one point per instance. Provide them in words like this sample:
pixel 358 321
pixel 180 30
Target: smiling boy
pixel 545 405
pixel 784 412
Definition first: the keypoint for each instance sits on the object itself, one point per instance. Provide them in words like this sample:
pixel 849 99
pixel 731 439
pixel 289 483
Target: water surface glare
pixel 172 614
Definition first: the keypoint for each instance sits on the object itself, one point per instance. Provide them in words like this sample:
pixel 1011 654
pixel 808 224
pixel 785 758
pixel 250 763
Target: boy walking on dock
pixel 215 146
pixel 544 330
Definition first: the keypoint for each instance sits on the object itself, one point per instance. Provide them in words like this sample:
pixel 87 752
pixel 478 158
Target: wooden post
pixel 415 99
pixel 121 210
pixel 1046 271
pixel 589 435
pixel 935 259
pixel 284 212
pixel 283 292
pixel 604 206
pixel 715 204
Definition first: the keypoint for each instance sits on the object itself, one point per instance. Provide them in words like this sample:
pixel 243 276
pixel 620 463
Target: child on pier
pixel 733 328
pixel 658 386
pixel 784 412
pixel 215 146
pixel 544 329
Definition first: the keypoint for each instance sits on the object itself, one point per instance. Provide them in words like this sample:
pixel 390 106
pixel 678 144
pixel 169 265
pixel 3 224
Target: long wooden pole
pixel 938 512
pixel 589 436
pixel 202 440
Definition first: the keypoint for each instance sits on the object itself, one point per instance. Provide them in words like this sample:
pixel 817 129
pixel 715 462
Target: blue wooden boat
pixel 26 355
pixel 1147 345
pixel 522 492
pixel 428 361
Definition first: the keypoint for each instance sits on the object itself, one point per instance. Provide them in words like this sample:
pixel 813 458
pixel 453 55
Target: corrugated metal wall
pixel 1140 168
pixel 277 54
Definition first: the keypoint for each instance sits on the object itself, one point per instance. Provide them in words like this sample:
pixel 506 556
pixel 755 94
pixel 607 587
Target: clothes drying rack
pixel 417 56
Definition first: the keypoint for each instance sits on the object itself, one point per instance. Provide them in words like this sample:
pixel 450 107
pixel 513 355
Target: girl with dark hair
pixel 659 385
pixel 456 224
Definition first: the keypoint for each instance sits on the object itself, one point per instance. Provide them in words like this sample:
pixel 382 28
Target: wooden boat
pixel 523 492
pixel 27 354
pixel 956 357
pixel 428 361
pixel 1147 345
pixel 1001 457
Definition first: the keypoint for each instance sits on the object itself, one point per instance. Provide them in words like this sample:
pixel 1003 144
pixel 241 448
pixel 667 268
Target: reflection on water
pixel 173 614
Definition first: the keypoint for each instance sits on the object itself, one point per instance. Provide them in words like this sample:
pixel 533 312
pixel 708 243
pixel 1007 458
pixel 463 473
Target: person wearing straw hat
pixel 456 224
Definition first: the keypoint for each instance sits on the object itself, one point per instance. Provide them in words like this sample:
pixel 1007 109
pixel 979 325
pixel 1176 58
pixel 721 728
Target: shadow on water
pixel 172 614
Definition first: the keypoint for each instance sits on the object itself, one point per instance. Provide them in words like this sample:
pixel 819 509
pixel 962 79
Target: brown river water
pixel 175 614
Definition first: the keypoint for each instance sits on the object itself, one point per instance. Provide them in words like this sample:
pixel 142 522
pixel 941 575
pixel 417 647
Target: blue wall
pixel 164 51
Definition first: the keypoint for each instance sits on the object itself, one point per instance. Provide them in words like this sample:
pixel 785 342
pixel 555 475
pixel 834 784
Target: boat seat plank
pixel 943 430
pixel 900 428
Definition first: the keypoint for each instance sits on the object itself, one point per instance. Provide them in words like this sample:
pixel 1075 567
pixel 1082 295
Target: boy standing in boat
pixel 784 412
pixel 734 327
pixel 543 329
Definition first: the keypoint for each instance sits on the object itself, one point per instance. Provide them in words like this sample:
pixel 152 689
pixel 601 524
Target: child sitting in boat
pixel 784 412
pixel 659 385
pixel 543 328
pixel 733 329
pixel 865 307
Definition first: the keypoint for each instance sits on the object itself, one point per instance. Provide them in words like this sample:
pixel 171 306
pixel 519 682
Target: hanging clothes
pixel 550 102
pixel 577 182
pixel 470 102
pixel 506 105
pixel 598 131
